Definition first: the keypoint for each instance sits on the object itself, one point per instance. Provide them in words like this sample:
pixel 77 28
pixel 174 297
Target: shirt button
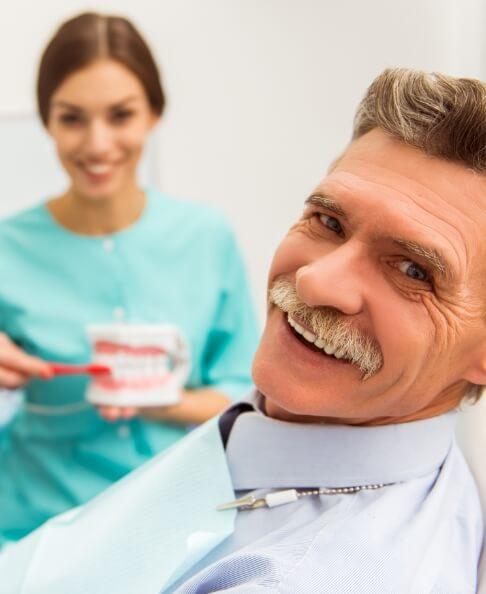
pixel 108 244
pixel 123 431
pixel 118 313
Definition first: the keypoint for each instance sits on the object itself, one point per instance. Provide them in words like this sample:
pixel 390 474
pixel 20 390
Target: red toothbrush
pixel 90 369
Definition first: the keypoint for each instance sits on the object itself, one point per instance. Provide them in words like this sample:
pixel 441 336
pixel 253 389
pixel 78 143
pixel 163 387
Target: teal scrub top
pixel 179 263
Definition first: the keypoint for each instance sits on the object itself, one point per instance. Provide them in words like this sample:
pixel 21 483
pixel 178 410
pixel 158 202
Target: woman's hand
pixel 196 406
pixel 17 367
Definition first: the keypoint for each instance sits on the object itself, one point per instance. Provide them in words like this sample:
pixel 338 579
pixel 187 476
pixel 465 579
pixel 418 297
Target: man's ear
pixel 476 372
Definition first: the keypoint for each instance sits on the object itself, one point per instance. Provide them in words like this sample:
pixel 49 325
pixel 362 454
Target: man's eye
pixel 414 271
pixel 331 223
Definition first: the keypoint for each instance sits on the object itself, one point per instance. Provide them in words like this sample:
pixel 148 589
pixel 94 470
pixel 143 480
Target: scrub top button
pixel 118 313
pixel 123 431
pixel 108 244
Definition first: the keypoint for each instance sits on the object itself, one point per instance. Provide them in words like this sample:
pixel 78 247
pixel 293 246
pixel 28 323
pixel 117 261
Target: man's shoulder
pixel 402 538
pixel 406 538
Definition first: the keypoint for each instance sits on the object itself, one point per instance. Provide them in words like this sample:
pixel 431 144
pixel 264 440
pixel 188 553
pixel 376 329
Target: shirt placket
pixel 119 306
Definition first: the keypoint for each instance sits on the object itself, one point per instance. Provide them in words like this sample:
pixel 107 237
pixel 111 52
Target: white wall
pixel 261 92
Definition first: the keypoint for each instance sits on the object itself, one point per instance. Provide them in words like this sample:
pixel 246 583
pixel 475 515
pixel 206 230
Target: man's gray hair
pixel 441 115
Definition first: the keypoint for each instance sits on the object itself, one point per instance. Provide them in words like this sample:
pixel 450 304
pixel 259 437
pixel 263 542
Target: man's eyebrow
pixel 326 202
pixel 433 257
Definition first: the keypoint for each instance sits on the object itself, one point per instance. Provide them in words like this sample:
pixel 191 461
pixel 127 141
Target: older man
pixel 345 471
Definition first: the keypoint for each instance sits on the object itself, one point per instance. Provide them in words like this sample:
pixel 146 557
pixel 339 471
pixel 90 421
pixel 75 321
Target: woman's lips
pixel 97 172
pixel 98 169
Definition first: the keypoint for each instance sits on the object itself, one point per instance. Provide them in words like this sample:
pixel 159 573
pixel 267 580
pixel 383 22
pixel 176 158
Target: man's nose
pixel 334 280
pixel 98 138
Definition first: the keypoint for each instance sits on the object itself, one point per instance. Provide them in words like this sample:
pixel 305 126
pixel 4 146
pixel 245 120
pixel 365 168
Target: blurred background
pixel 261 95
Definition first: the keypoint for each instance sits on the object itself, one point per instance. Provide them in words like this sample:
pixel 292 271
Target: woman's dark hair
pixel 91 36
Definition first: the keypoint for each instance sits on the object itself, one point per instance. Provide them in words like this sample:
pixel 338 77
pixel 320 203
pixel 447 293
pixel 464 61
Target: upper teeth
pixel 319 343
pixel 134 366
pixel 98 169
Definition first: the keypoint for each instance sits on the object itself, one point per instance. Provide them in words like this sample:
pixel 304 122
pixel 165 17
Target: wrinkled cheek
pixel 426 352
pixel 405 336
pixel 444 329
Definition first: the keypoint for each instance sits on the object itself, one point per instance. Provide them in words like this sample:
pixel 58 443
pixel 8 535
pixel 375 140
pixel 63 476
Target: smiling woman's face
pixel 392 242
pixel 99 119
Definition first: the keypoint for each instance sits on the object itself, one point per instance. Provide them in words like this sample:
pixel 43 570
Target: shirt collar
pixel 263 452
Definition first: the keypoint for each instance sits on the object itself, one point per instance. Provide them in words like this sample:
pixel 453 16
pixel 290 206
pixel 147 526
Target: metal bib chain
pixel 249 502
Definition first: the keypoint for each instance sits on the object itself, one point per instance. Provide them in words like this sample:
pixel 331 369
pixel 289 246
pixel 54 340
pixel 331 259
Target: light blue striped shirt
pixel 420 535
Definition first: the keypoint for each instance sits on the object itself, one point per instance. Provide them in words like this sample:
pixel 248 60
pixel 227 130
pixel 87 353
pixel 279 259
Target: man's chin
pixel 292 409
pixel 290 399
pixel 277 411
pixel 298 380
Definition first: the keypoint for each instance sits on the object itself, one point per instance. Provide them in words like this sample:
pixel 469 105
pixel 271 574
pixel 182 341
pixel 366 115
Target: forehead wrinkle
pixel 387 173
pixel 461 263
pixel 413 196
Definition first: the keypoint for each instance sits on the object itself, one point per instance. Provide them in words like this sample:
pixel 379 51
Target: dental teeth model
pixel 149 364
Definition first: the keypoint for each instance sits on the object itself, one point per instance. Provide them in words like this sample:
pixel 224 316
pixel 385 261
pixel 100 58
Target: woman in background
pixel 107 250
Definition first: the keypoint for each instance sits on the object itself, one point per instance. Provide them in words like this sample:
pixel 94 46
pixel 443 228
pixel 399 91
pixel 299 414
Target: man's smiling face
pixel 391 250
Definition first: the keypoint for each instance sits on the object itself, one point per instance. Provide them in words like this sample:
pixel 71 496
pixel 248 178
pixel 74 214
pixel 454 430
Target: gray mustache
pixel 330 326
